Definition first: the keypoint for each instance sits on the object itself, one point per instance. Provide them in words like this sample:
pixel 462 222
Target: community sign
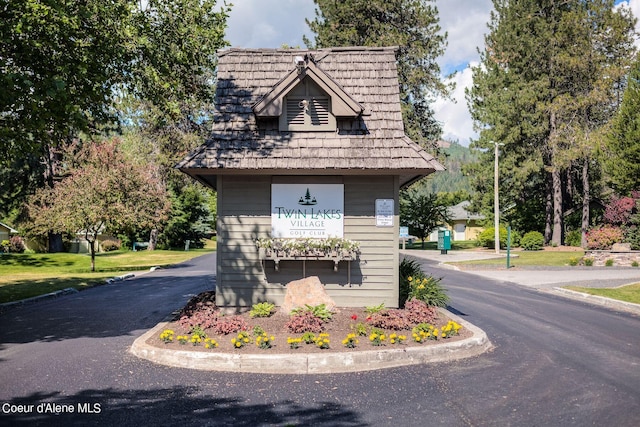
pixel 307 210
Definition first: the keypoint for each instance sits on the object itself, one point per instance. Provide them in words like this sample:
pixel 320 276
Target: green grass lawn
pixel 532 258
pixel 27 275
pixel 455 245
pixel 630 293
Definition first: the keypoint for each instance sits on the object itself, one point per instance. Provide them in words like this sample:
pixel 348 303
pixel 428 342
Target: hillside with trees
pixel 455 158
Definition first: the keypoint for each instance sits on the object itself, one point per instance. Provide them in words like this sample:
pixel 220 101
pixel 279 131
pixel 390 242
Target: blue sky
pixel 272 23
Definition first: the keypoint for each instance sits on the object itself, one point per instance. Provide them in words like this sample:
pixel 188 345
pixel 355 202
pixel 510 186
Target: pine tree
pixel 545 88
pixel 623 143
pixel 412 26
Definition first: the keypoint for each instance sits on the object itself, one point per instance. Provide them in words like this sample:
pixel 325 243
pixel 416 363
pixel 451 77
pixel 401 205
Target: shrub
pixel 573 261
pixel 532 241
pixel 573 238
pixel 634 264
pixel 419 312
pixel 320 311
pixel 429 290
pixel 588 261
pixel 305 321
pixel 408 268
pixel 609 262
pixel 16 245
pixel 415 284
pixel 603 237
pixel 109 245
pixel 200 311
pixel 230 324
pixel 632 236
pixel 205 316
pixel 394 319
pixel 487 238
pixel 4 246
pixel 262 309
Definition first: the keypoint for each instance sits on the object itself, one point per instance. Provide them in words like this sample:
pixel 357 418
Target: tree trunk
pixel 586 201
pixel 153 240
pixel 548 208
pixel 55 242
pixel 92 251
pixel 556 237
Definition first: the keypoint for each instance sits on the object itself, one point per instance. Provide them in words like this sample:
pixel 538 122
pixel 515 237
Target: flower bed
pixel 347 330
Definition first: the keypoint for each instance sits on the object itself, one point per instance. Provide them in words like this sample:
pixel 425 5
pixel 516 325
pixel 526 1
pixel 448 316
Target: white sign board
pixel 404 232
pixel 384 212
pixel 307 210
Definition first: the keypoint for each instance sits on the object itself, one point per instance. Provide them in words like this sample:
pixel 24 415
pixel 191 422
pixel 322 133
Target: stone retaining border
pixel 315 363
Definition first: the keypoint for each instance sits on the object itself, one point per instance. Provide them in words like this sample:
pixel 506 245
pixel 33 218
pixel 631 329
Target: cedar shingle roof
pixel 374 142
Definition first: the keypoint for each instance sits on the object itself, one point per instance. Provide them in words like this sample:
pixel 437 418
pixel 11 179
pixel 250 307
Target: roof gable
pixel 342 104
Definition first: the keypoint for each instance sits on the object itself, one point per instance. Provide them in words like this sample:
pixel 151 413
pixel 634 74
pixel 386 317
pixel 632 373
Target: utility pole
pixel 496 199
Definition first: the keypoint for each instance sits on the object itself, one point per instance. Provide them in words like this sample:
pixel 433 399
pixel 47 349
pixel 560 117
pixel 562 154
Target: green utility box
pixel 444 241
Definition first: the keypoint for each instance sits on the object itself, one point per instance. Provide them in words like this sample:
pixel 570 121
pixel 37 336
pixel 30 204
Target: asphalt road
pixel 556 362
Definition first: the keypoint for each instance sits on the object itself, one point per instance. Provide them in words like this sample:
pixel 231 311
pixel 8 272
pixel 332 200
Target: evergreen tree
pixel 413 26
pixel 623 142
pixel 545 87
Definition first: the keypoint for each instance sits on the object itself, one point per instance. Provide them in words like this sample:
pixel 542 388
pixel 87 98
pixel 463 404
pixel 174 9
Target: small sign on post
pixel 404 233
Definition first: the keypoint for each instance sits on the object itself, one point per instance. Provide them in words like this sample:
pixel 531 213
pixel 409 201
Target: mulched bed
pixel 341 324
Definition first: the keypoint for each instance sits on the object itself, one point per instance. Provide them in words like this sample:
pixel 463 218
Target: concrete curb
pixel 598 300
pixel 9 305
pixel 314 363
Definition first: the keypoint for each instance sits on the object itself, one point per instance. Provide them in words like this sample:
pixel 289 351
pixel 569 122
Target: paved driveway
pixel 556 362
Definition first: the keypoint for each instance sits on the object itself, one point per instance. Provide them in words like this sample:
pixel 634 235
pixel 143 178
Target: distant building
pixel 6 232
pixel 464 224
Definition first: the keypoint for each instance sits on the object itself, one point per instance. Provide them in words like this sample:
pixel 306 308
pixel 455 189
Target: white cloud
pixel 269 23
pixel 465 30
pixel 454 114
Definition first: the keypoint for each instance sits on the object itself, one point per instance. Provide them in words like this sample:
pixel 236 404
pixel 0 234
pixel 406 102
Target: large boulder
pixel 621 247
pixel 306 291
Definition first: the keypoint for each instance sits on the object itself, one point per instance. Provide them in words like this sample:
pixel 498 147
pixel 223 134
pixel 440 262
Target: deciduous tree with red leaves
pixel 101 192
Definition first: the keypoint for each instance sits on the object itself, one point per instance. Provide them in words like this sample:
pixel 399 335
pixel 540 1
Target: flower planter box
pixel 277 256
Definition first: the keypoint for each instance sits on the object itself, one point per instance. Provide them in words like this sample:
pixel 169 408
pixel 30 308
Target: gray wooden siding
pixel 244 206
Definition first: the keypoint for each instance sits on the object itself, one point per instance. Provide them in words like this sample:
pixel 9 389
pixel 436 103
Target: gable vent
pixel 319 112
pixel 295 112
pixel 305 113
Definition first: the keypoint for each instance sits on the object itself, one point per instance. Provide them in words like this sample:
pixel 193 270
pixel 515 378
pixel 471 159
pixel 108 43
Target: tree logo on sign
pixel 307 200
